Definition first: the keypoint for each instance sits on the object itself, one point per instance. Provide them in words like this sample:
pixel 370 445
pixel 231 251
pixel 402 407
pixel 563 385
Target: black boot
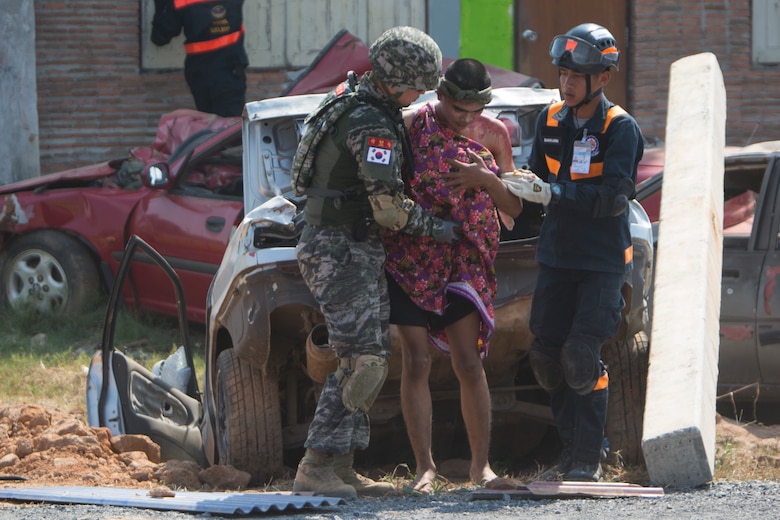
pixel 584 472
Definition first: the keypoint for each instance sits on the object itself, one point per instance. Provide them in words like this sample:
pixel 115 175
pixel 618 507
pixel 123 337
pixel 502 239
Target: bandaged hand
pixel 527 186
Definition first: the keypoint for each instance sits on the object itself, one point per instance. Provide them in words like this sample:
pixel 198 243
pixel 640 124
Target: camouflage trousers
pixel 347 279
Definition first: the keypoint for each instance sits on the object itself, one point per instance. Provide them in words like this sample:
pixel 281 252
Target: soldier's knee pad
pixel 367 374
pixel 547 370
pixel 581 363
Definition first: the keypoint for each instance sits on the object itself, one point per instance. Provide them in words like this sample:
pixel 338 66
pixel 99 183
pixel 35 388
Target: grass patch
pixel 734 461
pixel 44 359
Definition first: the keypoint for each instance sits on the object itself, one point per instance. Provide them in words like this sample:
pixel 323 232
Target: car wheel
pixel 52 271
pixel 249 423
pixel 628 363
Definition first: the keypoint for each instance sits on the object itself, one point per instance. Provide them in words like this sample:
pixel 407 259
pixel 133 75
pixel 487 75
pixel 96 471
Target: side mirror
pixel 155 175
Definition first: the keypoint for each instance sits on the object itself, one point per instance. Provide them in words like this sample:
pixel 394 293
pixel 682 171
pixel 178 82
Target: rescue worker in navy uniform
pixel 216 61
pixel 584 162
pixel 341 254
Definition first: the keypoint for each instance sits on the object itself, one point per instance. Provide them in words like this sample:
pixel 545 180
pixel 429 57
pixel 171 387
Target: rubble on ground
pixel 44 447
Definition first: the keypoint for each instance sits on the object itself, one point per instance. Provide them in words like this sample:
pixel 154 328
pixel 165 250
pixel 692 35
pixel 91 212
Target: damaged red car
pixel 63 235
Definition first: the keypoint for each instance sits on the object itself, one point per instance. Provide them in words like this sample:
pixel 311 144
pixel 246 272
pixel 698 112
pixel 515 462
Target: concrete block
pixel 678 440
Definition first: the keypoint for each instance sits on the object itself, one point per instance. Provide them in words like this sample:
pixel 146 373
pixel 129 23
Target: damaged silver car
pixel 265 361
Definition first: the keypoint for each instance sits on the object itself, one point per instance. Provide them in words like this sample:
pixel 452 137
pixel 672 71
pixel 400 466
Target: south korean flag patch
pixel 379 150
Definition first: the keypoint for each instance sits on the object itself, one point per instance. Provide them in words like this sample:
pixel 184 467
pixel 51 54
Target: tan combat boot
pixel 315 473
pixel 365 487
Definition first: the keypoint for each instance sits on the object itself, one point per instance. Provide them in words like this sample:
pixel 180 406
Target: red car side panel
pixel 192 234
pixel 97 215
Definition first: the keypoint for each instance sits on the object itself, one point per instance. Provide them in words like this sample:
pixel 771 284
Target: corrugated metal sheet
pixel 185 501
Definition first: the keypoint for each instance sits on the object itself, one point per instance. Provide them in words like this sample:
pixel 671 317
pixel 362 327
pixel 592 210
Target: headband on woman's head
pixel 450 89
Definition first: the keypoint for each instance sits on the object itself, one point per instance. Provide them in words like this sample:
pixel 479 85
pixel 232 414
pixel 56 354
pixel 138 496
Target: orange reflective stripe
pixel 552 165
pixel 179 4
pixel 629 254
pixel 594 171
pixel 602 383
pixel 554 109
pixel 216 43
pixel 610 50
pixel 614 111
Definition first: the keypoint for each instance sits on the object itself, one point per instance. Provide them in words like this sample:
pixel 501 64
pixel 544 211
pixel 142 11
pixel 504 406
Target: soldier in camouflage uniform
pixel 356 190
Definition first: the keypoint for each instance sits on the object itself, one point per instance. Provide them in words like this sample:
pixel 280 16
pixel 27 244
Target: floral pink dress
pixel 428 270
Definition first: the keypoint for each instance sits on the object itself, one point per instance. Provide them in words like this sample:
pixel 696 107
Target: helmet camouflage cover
pixel 406 58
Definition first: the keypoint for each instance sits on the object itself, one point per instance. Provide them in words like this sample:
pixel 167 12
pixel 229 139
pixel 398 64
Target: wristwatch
pixel 556 190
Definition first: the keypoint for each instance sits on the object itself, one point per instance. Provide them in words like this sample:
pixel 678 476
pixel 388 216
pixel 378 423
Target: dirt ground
pixel 49 447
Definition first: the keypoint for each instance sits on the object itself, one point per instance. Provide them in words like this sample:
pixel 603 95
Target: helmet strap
pixel 589 96
pixel 394 97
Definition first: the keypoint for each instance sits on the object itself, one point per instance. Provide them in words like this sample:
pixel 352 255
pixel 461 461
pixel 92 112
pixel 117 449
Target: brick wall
pixel 662 31
pixel 94 102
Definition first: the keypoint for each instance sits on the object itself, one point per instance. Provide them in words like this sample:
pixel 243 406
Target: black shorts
pixel 403 311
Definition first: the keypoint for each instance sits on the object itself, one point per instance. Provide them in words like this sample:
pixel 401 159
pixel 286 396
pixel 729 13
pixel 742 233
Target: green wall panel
pixel 486 31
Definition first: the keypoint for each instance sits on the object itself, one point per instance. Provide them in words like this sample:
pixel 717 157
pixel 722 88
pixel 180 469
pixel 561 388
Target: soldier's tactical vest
pixel 316 126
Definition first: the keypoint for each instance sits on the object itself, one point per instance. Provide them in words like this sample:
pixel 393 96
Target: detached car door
pixel 190 223
pixel 129 392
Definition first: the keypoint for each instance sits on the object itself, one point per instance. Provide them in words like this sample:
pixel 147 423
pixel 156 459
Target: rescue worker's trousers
pixel 569 303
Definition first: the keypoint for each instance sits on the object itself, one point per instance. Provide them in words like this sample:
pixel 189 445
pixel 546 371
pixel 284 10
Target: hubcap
pixel 37 277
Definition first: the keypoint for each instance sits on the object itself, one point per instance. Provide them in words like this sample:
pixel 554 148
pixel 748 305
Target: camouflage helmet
pixel 406 58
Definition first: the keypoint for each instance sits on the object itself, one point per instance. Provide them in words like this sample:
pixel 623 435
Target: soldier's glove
pixel 527 186
pixel 447 231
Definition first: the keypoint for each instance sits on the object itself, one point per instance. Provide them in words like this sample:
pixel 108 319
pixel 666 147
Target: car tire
pixel 249 421
pixel 54 271
pixel 627 361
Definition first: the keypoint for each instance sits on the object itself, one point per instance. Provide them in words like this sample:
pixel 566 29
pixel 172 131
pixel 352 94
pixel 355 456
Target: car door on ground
pixel 140 388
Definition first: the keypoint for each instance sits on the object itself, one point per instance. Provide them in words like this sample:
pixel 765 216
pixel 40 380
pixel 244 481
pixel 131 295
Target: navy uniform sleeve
pixel 166 23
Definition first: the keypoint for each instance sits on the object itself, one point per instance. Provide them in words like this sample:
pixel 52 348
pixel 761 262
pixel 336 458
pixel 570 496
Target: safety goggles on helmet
pixel 583 53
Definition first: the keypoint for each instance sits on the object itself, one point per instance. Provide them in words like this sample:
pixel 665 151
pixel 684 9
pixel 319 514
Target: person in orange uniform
pixel 216 61
pixel 584 164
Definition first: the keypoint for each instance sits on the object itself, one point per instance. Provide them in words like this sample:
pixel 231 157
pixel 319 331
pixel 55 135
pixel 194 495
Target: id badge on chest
pixel 580 163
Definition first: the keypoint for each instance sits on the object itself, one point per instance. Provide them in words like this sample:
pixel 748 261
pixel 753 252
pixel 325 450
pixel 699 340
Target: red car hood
pixel 81 174
pixel 347 52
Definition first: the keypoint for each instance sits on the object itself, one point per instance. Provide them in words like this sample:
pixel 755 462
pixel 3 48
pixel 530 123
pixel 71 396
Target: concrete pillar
pixel 18 92
pixel 678 440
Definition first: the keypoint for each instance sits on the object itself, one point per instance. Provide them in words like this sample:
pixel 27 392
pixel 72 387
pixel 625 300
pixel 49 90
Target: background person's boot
pixel 365 487
pixel 585 472
pixel 315 474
